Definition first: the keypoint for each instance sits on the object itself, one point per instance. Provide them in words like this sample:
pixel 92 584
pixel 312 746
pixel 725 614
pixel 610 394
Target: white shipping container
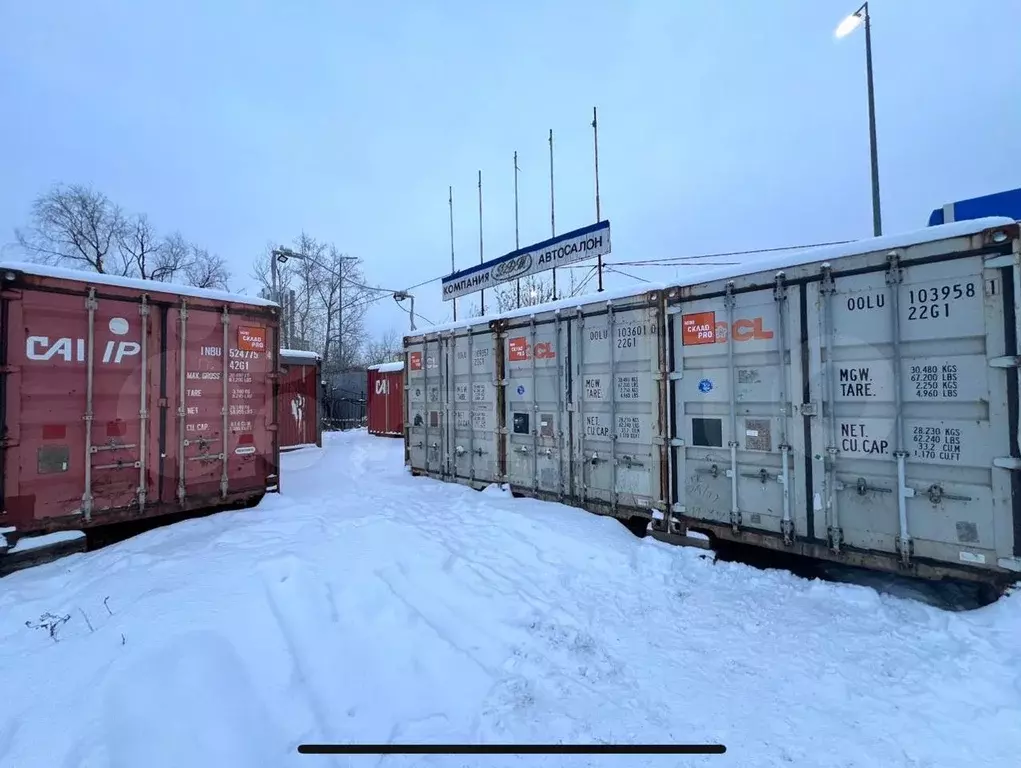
pixel 582 404
pixel 566 403
pixel 856 403
pixel 451 406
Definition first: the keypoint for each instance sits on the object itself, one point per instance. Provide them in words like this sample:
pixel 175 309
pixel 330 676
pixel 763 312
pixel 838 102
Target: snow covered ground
pixel 366 605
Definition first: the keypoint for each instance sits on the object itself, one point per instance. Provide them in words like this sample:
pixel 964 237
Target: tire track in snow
pixel 290 608
pixel 422 613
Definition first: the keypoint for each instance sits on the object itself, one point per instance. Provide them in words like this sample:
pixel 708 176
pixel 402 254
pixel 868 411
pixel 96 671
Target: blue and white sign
pixel 705 386
pixel 568 248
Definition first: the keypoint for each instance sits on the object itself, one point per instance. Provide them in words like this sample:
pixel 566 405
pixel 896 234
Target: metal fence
pixel 344 400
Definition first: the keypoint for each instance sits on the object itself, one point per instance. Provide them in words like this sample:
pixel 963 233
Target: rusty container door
pixel 537 373
pixel 298 405
pixel 78 395
pixel 616 417
pixel 221 432
pixel 375 406
pixel 385 399
pixel 738 452
pixel 394 411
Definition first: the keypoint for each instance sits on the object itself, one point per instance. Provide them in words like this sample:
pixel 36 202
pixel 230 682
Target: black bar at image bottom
pixel 512 749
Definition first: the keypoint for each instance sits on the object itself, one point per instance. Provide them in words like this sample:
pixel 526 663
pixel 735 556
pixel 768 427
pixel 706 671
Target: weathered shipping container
pixel 561 402
pixel 122 399
pixel 857 403
pixel 299 394
pixel 386 399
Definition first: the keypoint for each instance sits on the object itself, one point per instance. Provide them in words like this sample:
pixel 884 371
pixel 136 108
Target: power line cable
pixel 672 259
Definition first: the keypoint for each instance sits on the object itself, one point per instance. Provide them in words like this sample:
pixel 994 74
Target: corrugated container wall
pixel 123 399
pixel 856 404
pixel 861 408
pixel 560 405
pixel 299 395
pixel 386 399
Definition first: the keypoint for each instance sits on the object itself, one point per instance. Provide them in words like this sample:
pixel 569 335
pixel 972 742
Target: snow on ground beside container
pixel 47 540
pixel 367 605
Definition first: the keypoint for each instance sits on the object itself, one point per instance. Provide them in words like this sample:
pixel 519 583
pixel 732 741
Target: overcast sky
pixel 723 124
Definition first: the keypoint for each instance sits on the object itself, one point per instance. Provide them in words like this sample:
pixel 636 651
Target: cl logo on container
pixel 382 386
pixel 745 330
pixel 519 349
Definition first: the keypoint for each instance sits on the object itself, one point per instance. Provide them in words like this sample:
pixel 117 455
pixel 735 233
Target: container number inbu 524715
pixel 934 303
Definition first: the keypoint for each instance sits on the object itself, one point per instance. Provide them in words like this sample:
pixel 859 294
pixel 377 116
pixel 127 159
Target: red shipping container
pixel 300 388
pixel 386 399
pixel 122 399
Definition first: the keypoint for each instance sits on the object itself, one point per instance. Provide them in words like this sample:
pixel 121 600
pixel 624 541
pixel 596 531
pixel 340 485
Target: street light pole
pixel 283 254
pixel 847 26
pixel 273 276
pixel 340 317
pixel 877 219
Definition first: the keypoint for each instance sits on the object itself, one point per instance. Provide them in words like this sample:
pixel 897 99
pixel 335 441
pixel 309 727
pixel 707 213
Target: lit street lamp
pixel 846 27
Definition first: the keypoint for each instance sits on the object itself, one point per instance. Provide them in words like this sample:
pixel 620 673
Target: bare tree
pixel 141 251
pixel 388 348
pixel 77 226
pixel 356 299
pixel 310 273
pixel 317 284
pixel 175 252
pixel 206 270
pixel 534 291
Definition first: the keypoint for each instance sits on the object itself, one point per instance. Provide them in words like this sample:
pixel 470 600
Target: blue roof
pixel 1007 203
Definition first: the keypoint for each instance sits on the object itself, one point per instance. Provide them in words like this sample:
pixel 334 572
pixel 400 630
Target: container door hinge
pixel 1008 462
pixel 906 548
pixel 1005 361
pixel 835 538
pixel 1001 261
pixel 1010 563
pixel 787 529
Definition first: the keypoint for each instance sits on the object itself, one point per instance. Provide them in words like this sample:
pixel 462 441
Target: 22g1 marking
pixel 934 303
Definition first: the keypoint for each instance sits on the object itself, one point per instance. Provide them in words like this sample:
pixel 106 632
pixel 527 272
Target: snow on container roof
pixel 386 367
pixel 855 247
pixel 132 283
pixel 300 354
pixel 560 304
pixel 792 258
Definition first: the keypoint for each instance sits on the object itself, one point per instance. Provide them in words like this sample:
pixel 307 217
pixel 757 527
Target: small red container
pixel 123 399
pixel 386 399
pixel 298 399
